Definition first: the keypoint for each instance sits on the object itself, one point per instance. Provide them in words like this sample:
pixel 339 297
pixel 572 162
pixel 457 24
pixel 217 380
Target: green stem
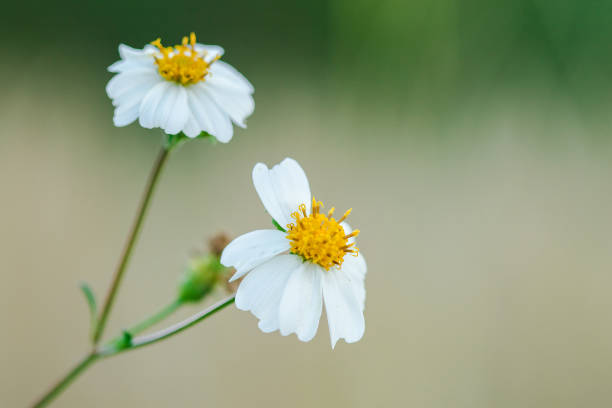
pixel 65 381
pixel 129 246
pixel 142 341
pixel 136 342
pixel 156 318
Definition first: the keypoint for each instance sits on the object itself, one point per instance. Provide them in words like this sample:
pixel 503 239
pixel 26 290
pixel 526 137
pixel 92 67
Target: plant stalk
pixel 131 240
pixel 136 342
pixel 145 340
pixel 155 318
pixel 56 389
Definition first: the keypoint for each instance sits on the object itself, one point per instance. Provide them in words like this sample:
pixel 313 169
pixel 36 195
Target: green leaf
pixel 123 341
pixel 174 141
pixel 91 302
pixel 277 225
pixel 126 340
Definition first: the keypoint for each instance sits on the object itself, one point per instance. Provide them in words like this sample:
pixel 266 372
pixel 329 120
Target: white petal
pixel 210 51
pixel 149 105
pixel 252 249
pixel 300 307
pixel 123 83
pixel 192 129
pixel 134 95
pixel 237 105
pixel 208 115
pixel 344 313
pixel 127 52
pixel 224 74
pixel 132 58
pixel 179 112
pixel 166 105
pixel 282 189
pixel 262 289
pixel 125 66
pixel 355 267
pixel 123 117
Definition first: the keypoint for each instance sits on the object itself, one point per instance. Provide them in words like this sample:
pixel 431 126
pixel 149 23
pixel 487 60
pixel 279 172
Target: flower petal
pixel 166 105
pixel 192 129
pixel 210 51
pixel 129 101
pixel 252 249
pixel 222 73
pixel 178 113
pixel 262 289
pixel 124 83
pixel 134 95
pixel 355 267
pixel 282 189
pixel 301 304
pixel 344 313
pixel 123 117
pixel 132 58
pixel 208 115
pixel 237 105
pixel 150 103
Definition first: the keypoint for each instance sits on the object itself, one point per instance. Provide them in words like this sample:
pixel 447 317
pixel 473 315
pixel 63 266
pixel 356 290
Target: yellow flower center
pixel 182 63
pixel 319 238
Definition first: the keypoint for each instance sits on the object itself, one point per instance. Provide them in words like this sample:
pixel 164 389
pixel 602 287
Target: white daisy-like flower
pixel 184 88
pixel 291 272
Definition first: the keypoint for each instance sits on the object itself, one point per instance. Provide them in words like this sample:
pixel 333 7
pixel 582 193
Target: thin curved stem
pixel 129 245
pixel 155 318
pixel 65 381
pixel 136 342
pixel 142 341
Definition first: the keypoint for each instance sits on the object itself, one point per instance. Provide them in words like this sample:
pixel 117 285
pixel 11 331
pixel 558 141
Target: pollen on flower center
pixel 182 63
pixel 319 238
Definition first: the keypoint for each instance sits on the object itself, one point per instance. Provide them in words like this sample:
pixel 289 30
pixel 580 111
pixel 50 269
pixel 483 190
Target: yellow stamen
pixel 319 238
pixel 182 63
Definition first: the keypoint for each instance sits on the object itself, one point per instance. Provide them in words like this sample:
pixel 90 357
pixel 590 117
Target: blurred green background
pixel 472 139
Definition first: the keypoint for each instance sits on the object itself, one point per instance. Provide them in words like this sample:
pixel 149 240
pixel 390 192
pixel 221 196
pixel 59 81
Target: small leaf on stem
pixel 91 302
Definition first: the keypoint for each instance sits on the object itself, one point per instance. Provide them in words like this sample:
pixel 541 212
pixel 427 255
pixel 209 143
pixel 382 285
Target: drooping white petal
pixel 122 84
pixel 123 117
pixel 127 53
pixel 344 312
pixel 208 115
pixel 178 113
pixel 166 105
pixel 282 189
pixel 132 58
pixel 300 307
pixel 128 103
pixel 135 94
pixel 262 289
pixel 210 51
pixel 192 129
pixel 149 105
pixel 237 105
pixel 252 249
pixel 228 77
pixel 355 267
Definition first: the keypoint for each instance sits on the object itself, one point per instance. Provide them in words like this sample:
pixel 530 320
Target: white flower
pixel 291 273
pixel 184 88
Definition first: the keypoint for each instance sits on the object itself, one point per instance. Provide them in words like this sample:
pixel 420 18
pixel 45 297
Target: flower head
pixel 290 273
pixel 184 88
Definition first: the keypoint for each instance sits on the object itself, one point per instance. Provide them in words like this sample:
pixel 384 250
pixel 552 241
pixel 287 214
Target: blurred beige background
pixel 485 221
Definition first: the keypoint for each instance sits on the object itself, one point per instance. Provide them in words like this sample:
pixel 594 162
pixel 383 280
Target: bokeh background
pixel 472 139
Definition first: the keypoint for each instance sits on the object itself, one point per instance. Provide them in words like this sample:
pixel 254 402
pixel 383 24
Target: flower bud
pixel 200 277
